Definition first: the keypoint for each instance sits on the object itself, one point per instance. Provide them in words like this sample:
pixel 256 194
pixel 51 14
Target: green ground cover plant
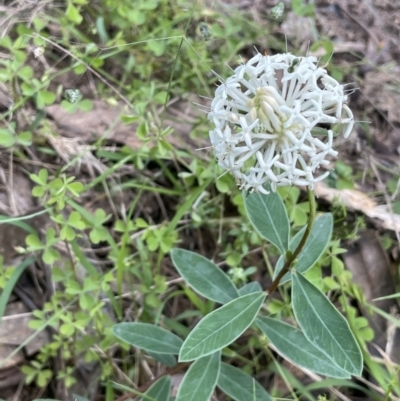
pixel 119 271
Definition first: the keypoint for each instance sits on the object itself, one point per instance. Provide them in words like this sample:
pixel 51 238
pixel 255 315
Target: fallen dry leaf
pixel 14 331
pixel 104 121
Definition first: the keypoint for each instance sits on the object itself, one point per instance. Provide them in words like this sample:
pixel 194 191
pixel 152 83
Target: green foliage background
pixel 141 55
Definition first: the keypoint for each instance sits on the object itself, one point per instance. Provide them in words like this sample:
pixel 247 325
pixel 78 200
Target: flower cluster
pixel 267 117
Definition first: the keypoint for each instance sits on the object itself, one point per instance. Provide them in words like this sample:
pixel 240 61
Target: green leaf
pixel 45 98
pixel 157 47
pixel 343 170
pixel 148 337
pixel 160 390
pixel 25 138
pixel 73 14
pixel 343 183
pixel 50 256
pixel 76 188
pixel 160 97
pixel 33 241
pixel 19 55
pixel 18 223
pixel 302 9
pixel 95 236
pixel 87 302
pixel 41 178
pixel 204 276
pixel 19 43
pixel 7 138
pixel 27 89
pixel 86 105
pixel 6 42
pixel 7 290
pixel 200 380
pixel 221 327
pixel 250 288
pixel 101 30
pixel 67 329
pixel 128 119
pixel 299 214
pixel 142 130
pixel 314 247
pixel 26 72
pixel 268 215
pixel 38 191
pixel 167 359
pixel 67 233
pixel 50 236
pixel 75 220
pixel 224 184
pixel 137 17
pixel 240 386
pixel 293 345
pixel 73 287
pixel 324 326
pixel 4 75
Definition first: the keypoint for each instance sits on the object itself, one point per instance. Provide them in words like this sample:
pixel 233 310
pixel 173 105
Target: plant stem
pixel 286 266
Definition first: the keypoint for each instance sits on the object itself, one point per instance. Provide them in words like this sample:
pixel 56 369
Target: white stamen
pixel 266 114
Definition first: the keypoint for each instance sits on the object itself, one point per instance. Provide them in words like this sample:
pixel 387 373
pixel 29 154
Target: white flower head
pixel 38 51
pixel 266 115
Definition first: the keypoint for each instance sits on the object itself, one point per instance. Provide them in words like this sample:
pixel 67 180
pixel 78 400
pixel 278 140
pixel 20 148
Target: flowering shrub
pixel 265 118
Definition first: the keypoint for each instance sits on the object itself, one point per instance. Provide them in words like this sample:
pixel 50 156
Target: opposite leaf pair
pixel 323 344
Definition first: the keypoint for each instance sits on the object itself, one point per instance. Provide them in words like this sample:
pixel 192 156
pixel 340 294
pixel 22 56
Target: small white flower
pixel 38 51
pixel 264 117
